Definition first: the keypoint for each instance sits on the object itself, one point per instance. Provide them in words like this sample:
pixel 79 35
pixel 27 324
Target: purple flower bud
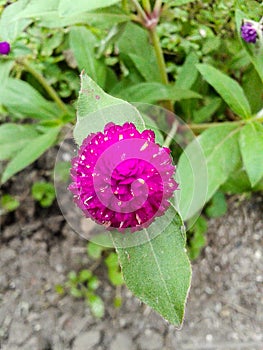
pixel 4 48
pixel 249 33
pixel 122 178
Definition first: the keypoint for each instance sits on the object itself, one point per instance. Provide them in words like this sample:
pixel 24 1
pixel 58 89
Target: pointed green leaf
pixel 95 109
pixel 153 92
pixel 82 43
pixel 22 100
pixel 158 272
pixel 69 7
pixel 201 171
pixel 188 73
pixel 251 147
pixel 30 153
pixel 13 137
pixel 227 88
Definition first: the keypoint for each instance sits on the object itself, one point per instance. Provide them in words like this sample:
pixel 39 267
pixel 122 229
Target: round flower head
pixel 4 48
pixel 249 32
pixel 121 178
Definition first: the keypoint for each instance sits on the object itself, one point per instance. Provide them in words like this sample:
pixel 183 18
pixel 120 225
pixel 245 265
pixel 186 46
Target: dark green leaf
pixel 13 137
pixel 21 99
pixel 188 73
pixel 227 88
pixel 201 171
pixel 30 153
pixel 82 42
pixel 251 147
pixel 153 92
pixel 217 206
pixel 158 272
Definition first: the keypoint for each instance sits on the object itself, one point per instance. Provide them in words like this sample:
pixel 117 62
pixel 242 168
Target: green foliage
pixel 9 203
pixel 44 193
pixel 83 285
pixel 196 236
pixel 217 205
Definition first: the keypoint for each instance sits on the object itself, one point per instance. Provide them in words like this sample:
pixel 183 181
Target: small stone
pixel 122 341
pixel 150 341
pixel 209 337
pixel 87 340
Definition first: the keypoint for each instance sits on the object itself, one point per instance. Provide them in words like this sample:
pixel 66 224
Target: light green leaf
pixel 153 92
pixel 158 272
pixel 95 109
pixel 30 153
pixel 22 100
pixel 5 68
pixel 82 42
pixel 69 8
pixel 11 26
pixel 251 147
pixel 188 73
pixel 227 88
pixel 13 137
pixel 205 113
pixel 201 171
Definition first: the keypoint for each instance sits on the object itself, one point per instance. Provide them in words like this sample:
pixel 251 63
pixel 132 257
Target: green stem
pixel 147 6
pixel 158 6
pixel 140 10
pixel 125 6
pixel 49 89
pixel 160 61
pixel 171 134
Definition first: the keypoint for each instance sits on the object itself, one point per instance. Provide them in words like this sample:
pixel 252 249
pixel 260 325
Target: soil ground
pixel 38 249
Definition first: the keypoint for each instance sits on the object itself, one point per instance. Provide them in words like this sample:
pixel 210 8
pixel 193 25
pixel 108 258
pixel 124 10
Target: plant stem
pixel 147 6
pixel 171 134
pixel 160 61
pixel 140 9
pixel 49 89
pixel 158 6
pixel 125 5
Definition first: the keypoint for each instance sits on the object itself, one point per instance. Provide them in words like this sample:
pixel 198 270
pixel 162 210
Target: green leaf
pixel 158 272
pixel 27 104
pixel 69 8
pixel 30 153
pixel 96 108
pixel 254 54
pixel 227 88
pixel 201 171
pixel 198 239
pixel 94 250
pixel 9 203
pixel 11 26
pixel 82 43
pixel 96 305
pixel 44 193
pixel 13 137
pixel 85 275
pixel 217 206
pixel 5 68
pixel 188 73
pixel 93 283
pixel 251 147
pixel 134 43
pixel 205 113
pixel 153 92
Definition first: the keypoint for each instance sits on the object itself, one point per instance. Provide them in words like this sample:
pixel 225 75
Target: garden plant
pixel 165 99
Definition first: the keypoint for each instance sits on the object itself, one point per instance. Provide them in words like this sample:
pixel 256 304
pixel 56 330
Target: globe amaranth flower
pixel 4 48
pixel 249 32
pixel 121 178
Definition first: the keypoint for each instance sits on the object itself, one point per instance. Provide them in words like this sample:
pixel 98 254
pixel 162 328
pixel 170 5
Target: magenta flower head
pixel 121 178
pixel 249 32
pixel 4 48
